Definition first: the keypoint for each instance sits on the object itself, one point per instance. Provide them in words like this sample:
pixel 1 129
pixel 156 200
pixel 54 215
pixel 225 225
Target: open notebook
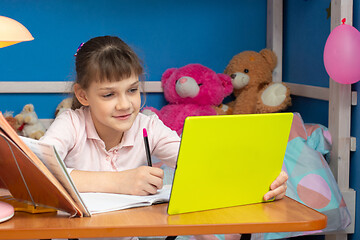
pixel 228 160
pixel 92 202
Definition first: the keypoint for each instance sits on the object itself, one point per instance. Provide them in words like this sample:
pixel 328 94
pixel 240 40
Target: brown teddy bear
pixel 254 91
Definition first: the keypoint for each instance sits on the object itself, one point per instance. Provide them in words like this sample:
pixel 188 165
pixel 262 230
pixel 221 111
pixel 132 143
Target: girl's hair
pixel 105 58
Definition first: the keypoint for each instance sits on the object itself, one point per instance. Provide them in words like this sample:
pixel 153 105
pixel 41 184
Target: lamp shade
pixel 12 32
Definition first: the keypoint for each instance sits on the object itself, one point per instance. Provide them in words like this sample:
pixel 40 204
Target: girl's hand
pixel 278 187
pixel 143 180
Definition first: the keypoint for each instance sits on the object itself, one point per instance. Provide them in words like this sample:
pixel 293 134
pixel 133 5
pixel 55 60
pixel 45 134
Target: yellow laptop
pixel 228 160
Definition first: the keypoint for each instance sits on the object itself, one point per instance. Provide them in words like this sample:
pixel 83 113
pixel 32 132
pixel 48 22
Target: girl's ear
pixel 80 95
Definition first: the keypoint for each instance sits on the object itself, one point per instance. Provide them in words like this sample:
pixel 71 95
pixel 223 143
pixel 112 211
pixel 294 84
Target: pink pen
pixel 147 149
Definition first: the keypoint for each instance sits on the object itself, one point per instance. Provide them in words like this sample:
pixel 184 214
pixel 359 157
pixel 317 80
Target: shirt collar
pixel 89 125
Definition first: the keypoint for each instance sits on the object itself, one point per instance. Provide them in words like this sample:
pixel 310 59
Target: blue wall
pixel 305 34
pixel 165 33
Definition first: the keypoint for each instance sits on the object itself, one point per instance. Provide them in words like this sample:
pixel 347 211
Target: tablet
pixel 228 160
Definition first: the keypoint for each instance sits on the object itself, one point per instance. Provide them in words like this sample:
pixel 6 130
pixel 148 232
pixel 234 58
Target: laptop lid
pixel 228 160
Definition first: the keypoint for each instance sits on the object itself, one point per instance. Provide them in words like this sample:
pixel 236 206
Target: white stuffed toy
pixel 30 126
pixel 63 105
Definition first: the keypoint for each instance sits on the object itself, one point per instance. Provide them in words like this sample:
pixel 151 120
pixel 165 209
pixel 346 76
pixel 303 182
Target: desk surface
pixel 277 216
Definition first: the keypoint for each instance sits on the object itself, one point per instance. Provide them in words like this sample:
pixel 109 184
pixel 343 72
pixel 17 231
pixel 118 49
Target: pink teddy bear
pixel 192 90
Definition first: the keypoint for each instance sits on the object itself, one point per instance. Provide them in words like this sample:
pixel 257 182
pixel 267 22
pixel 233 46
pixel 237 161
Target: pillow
pixel 311 181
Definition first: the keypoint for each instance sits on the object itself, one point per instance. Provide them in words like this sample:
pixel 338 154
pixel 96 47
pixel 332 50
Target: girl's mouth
pixel 123 117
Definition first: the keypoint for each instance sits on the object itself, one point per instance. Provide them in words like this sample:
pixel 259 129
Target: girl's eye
pixel 108 95
pixel 133 90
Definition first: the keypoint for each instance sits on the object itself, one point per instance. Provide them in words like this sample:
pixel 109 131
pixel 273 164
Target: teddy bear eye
pixel 246 70
pixel 200 84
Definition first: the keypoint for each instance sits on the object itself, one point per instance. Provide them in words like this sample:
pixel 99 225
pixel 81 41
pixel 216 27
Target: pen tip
pixel 144 132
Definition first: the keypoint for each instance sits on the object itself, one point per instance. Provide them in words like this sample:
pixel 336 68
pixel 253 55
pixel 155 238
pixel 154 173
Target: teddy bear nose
pixel 239 80
pixel 182 80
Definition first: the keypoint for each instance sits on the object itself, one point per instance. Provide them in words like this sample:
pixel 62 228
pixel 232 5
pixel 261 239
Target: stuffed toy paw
pixel 254 91
pixel 192 90
pixel 148 111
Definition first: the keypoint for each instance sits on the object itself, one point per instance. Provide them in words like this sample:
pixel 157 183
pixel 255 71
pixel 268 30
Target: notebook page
pixel 106 202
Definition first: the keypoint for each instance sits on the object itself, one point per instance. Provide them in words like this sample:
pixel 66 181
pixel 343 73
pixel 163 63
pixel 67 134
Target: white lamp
pixel 11 32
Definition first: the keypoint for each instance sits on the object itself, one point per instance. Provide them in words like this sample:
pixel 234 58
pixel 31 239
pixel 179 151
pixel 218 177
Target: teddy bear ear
pixel 270 57
pixel 226 82
pixel 166 75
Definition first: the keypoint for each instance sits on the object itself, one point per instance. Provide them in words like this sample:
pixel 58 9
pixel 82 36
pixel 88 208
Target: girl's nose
pixel 123 103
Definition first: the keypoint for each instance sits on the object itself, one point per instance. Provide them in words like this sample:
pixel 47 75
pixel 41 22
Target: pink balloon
pixel 342 54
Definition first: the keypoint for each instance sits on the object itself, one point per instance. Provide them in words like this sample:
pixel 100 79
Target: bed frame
pixel 340 98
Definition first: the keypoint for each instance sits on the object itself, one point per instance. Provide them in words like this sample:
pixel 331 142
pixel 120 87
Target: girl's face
pixel 113 105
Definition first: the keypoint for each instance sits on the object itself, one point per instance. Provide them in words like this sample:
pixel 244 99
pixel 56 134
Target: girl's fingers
pixel 150 189
pixel 280 180
pixel 278 193
pixel 156 182
pixel 278 187
pixel 156 177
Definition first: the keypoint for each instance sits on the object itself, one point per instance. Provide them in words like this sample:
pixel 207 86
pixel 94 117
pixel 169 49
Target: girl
pixel 100 139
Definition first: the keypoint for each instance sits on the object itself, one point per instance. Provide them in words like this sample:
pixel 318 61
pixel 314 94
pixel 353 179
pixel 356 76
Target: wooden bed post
pixel 340 120
pixel 340 106
pixel 274 35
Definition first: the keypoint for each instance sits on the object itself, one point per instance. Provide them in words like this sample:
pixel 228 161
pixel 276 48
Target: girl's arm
pixel 143 180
